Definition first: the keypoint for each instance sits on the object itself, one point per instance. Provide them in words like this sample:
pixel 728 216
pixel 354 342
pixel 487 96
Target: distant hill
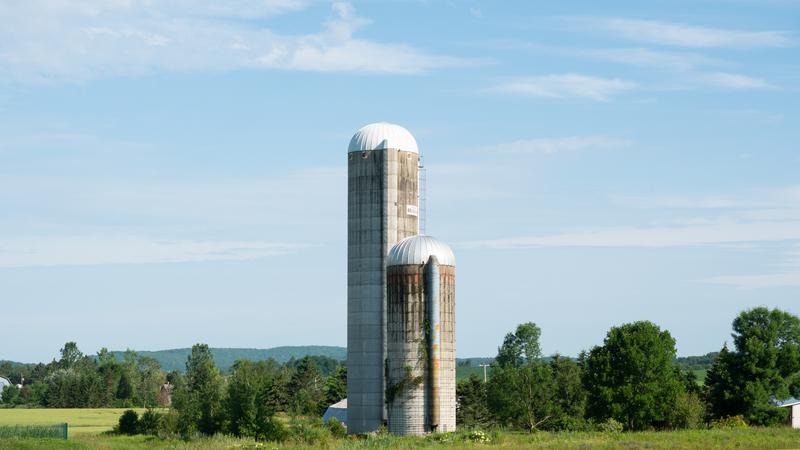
pixel 175 359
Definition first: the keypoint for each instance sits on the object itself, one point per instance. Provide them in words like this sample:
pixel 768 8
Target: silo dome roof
pixel 417 249
pixel 381 136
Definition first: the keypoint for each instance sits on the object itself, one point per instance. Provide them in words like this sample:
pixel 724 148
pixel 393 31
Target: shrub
pixel 336 428
pixel 273 430
pixel 149 422
pixel 688 412
pixel 478 436
pixel 611 426
pixel 169 426
pixel 730 422
pixel 310 432
pixel 128 422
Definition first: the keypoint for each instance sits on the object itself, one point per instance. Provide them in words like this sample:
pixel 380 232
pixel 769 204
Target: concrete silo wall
pixel 408 356
pixel 382 209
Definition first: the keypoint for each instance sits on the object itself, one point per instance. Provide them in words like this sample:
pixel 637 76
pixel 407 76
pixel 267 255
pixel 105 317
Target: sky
pixel 174 171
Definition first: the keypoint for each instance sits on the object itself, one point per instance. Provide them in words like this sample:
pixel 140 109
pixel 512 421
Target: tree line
pixel 632 382
pixel 245 402
pixel 76 380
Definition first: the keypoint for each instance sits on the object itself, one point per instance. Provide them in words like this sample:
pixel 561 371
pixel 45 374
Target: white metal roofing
pixel 338 410
pixel 788 402
pixel 381 136
pixel 3 383
pixel 417 249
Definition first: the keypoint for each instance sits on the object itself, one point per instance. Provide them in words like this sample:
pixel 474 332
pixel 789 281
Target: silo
pixel 421 381
pixel 383 162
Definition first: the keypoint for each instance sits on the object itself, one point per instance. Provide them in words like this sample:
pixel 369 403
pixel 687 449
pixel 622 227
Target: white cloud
pixel 789 275
pixel 643 57
pixel 756 204
pixel 92 250
pixel 758 281
pixel 555 145
pixel 736 81
pixel 681 35
pixel 568 85
pixel 61 41
pixel 719 233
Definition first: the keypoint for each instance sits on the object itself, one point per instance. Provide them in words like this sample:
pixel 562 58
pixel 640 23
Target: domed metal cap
pixel 417 249
pixel 382 136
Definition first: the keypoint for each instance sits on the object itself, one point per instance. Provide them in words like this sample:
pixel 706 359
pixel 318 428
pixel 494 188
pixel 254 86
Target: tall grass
pixel 33 431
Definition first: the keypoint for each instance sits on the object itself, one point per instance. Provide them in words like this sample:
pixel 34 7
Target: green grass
pixel 463 372
pixel 701 375
pixel 753 438
pixel 80 420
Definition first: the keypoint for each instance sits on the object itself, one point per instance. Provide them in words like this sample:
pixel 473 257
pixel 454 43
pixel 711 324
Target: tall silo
pixel 382 209
pixel 421 381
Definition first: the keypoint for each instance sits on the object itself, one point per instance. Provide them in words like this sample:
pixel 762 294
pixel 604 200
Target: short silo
pixel 421 370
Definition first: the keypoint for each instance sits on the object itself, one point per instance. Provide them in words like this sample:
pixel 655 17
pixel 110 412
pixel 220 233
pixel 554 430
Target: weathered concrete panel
pixel 381 184
pixel 408 378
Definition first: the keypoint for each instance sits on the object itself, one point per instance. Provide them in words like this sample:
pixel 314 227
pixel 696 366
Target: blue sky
pixel 173 172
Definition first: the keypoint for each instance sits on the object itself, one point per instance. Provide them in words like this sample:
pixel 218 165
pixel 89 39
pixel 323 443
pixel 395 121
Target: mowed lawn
pixel 80 420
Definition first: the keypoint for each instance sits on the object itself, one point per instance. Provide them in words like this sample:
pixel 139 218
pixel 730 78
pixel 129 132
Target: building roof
pixel 381 136
pixel 3 383
pixel 785 403
pixel 417 249
pixel 338 410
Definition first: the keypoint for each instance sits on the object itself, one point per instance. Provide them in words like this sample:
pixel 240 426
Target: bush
pixel 310 432
pixel 478 436
pixel 149 422
pixel 336 428
pixel 273 430
pixel 128 423
pixel 169 426
pixel 727 423
pixel 611 426
pixel 688 412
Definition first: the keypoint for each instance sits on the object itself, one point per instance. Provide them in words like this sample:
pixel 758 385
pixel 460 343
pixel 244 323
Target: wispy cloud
pixel 736 81
pixel 644 57
pixel 681 35
pixel 747 203
pixel 758 281
pixel 555 145
pixel 570 85
pixel 723 232
pixel 92 250
pixel 58 41
pixel 787 275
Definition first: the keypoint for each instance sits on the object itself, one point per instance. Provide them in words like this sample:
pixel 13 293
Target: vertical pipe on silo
pixel 434 344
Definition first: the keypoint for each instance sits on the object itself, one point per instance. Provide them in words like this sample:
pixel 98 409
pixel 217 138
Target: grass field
pixel 463 372
pixel 754 438
pixel 80 420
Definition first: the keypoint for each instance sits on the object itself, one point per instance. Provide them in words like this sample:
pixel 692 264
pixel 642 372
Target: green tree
pixel 632 378
pixel 520 347
pixel 305 389
pixel 569 400
pixel 10 395
pixel 128 422
pixel 70 355
pixel 472 409
pixel 336 386
pixel 247 382
pixel 522 397
pixel 199 401
pixel 764 365
pixel 150 379
pixel 125 388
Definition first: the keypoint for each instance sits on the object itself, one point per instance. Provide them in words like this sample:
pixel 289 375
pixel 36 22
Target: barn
pixel 337 410
pixel 794 404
